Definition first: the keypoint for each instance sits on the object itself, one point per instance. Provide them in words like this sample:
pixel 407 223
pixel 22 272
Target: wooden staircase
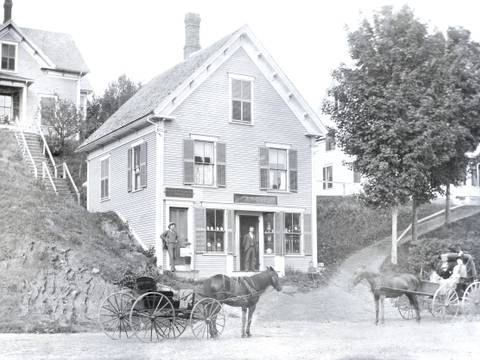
pixel 42 165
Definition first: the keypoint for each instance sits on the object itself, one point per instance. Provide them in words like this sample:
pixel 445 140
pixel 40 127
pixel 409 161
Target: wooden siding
pixel 299 263
pixel 207 111
pixel 269 261
pixel 137 207
pixel 209 265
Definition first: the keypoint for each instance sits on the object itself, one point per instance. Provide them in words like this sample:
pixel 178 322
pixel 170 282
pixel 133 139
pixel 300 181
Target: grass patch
pixel 345 225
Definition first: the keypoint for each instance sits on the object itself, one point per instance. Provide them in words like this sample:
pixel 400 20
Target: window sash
pixel 8 56
pixel 278 167
pixel 215 230
pixel 241 100
pixel 327 177
pixel 204 166
pixel 293 233
pixel 104 178
pixel 136 177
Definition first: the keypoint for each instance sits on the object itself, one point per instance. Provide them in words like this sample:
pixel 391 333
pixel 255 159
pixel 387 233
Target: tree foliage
pixel 406 107
pixel 101 108
pixel 63 123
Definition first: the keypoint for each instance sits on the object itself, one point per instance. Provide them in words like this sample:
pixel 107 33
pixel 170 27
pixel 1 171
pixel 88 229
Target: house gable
pixel 159 98
pixel 244 39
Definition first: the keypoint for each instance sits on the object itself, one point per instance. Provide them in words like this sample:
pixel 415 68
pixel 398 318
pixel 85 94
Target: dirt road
pixel 277 340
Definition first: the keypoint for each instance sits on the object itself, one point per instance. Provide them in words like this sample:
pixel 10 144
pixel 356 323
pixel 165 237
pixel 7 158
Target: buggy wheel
pixel 207 319
pixel 471 301
pixel 445 303
pixel 113 315
pixel 178 326
pixel 152 316
pixel 403 306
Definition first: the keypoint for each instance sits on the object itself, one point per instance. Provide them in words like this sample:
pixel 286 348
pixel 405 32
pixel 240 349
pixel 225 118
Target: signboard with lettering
pixel 178 192
pixel 255 199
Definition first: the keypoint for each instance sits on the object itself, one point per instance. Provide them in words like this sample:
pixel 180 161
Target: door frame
pixel 190 231
pixel 238 236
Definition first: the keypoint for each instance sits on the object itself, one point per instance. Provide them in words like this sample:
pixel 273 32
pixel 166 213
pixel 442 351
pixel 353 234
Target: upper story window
pixel 327 177
pixel 104 179
pixel 204 163
pixel 278 169
pixel 137 167
pixel 241 99
pixel 8 56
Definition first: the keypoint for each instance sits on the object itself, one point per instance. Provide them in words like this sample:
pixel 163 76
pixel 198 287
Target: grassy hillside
pixel 57 261
pixel 344 225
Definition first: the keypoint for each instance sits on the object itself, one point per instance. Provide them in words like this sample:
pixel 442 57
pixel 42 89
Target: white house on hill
pixel 220 142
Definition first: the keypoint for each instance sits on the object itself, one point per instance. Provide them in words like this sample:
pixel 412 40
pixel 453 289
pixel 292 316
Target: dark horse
pixel 241 292
pixel 382 286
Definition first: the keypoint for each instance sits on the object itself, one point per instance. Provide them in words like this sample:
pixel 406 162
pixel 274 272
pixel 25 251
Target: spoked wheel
pixel 179 325
pixel 113 315
pixel 404 308
pixel 445 303
pixel 152 316
pixel 207 319
pixel 471 301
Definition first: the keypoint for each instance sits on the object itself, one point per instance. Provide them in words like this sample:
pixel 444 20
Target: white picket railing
pixel 66 174
pixel 46 149
pixel 46 170
pixel 24 146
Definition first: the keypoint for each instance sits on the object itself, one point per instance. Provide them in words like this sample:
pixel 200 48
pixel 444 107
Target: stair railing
pixel 46 149
pixel 66 174
pixel 25 149
pixel 46 171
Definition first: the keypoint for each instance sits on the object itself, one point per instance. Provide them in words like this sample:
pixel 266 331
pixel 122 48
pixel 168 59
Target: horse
pixel 241 292
pixel 382 285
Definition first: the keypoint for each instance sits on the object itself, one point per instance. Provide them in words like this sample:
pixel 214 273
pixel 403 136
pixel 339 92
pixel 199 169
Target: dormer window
pixel 241 90
pixel 8 56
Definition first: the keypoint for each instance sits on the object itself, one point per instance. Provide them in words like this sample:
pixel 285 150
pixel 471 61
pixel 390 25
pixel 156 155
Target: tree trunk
pixel 414 221
pixel 447 205
pixel 394 235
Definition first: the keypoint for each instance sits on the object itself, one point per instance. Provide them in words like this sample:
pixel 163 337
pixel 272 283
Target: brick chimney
pixel 192 34
pixel 7 10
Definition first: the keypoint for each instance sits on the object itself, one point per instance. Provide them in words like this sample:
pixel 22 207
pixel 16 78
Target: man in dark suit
pixel 170 240
pixel 249 249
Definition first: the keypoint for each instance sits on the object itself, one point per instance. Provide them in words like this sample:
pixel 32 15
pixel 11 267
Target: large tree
pixel 101 108
pixel 384 105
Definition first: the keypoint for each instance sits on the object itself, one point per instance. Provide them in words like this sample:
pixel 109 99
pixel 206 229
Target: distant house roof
pixel 147 98
pixel 59 47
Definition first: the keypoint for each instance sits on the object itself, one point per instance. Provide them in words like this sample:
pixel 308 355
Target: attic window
pixel 241 92
pixel 8 56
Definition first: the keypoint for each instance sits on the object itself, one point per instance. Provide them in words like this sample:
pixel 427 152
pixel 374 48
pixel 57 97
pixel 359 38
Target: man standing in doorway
pixel 170 241
pixel 249 248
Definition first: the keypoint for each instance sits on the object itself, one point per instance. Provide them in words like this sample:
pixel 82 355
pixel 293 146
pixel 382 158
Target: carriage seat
pixel 146 284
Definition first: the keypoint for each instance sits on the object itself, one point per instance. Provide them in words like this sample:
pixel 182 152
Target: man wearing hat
pixel 170 240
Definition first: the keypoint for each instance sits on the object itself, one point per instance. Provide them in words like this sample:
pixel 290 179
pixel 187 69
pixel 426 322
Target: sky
pixel 142 38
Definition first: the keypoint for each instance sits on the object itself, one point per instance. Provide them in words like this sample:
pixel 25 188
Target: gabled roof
pixel 163 93
pixel 58 50
pixel 59 47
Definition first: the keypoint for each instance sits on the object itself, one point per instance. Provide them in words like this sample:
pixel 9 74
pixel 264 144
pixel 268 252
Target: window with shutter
pixel 292 167
pixel 264 168
pixel 221 164
pixel 307 234
pixel 200 230
pixel 143 165
pixel 129 169
pixel 292 233
pixel 188 165
pixel 104 179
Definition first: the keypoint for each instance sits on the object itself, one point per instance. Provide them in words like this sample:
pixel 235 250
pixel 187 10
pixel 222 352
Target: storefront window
pixel 215 230
pixel 268 236
pixel 293 233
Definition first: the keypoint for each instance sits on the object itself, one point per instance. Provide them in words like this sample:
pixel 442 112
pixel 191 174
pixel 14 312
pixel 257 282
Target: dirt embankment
pixel 57 261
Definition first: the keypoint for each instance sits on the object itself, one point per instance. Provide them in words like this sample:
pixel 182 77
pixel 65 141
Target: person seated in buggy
pixel 456 271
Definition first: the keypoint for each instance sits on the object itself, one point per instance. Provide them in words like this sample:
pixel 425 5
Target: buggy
pixel 153 314
pixel 443 300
